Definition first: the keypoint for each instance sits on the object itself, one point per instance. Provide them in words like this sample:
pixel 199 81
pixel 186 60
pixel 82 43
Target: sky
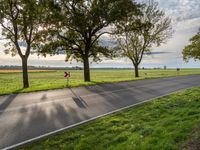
pixel 185 15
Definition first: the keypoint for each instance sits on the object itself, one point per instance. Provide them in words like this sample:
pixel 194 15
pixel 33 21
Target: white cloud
pixel 181 9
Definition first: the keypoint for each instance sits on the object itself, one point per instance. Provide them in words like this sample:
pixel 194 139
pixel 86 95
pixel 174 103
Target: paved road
pixel 26 116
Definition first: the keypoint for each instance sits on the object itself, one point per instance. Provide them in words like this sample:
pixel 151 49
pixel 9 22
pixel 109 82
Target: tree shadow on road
pixel 36 121
pixel 7 102
pixel 80 102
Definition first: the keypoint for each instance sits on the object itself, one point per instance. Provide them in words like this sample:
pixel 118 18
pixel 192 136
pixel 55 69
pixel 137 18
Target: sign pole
pixel 67 82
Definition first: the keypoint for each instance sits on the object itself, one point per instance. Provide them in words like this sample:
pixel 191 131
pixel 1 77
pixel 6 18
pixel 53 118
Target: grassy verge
pixel 194 141
pixel 165 123
pixel 12 82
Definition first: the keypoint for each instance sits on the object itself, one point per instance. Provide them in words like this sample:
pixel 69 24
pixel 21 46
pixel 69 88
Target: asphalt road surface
pixel 27 116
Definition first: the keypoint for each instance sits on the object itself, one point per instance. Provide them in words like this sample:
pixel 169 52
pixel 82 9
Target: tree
pixel 79 26
pixel 21 21
pixel 138 34
pixel 193 49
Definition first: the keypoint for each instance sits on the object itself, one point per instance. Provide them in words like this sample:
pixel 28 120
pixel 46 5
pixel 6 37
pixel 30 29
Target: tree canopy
pixel 137 34
pixel 193 49
pixel 79 26
pixel 21 21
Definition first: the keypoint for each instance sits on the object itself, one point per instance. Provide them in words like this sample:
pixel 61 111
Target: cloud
pixel 186 21
pixel 181 9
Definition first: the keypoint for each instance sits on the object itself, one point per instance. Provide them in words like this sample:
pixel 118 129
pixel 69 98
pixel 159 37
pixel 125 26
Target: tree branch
pixel 7 29
pixel 69 40
pixel 97 37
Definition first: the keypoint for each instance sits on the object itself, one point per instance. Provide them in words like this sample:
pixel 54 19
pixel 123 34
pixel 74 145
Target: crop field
pixel 18 71
pixel 11 81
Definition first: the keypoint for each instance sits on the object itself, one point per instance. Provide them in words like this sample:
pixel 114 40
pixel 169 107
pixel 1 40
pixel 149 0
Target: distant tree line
pixel 75 27
pixel 7 67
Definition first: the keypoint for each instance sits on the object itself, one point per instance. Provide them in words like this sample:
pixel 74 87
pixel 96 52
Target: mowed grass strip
pixel 163 124
pixel 12 82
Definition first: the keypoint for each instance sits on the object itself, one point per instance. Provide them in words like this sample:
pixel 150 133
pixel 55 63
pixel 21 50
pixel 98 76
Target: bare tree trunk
pixel 25 72
pixel 86 69
pixel 136 70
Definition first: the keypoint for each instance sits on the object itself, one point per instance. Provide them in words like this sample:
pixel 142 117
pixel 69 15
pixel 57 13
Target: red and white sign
pixel 66 74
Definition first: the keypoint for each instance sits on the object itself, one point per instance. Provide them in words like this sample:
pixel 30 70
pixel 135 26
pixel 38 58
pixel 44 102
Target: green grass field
pixel 163 124
pixel 12 82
